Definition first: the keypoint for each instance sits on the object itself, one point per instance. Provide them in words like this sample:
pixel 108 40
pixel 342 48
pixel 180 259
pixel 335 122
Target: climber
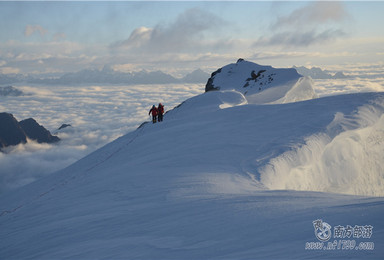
pixel 154 112
pixel 160 110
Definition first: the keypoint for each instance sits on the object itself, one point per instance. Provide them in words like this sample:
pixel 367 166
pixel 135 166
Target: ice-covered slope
pixel 213 181
pixel 262 84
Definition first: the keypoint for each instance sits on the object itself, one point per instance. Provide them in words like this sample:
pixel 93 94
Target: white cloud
pixel 303 38
pixel 314 24
pixel 138 38
pixel 9 70
pixel 314 13
pixel 190 31
pixel 346 86
pixel 54 56
pixel 31 29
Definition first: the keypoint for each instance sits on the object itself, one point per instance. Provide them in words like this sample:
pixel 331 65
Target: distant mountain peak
pixel 318 73
pixel 10 91
pixel 13 132
pixel 196 76
pixel 37 132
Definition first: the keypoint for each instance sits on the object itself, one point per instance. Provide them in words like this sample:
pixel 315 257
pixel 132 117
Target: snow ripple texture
pixel 346 159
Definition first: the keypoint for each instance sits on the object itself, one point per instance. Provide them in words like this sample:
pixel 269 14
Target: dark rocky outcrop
pixel 340 75
pixel 64 126
pixel 10 91
pixel 13 132
pixel 37 132
pixel 209 86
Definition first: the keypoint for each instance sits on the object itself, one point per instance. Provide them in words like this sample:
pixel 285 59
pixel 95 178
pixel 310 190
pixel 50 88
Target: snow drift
pixel 346 158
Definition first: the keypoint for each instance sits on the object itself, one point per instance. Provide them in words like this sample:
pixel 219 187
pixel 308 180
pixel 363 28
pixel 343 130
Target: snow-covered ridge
pixel 179 189
pixel 262 84
pixel 214 180
pixel 343 156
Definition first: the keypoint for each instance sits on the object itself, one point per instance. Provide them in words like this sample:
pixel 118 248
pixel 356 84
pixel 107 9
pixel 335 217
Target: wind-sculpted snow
pixel 346 158
pixel 208 102
pixel 301 90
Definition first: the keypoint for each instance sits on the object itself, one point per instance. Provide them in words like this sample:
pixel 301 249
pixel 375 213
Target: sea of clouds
pixel 100 114
pixel 327 87
pixel 97 114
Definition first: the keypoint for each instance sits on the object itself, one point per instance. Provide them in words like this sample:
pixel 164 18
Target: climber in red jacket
pixel 154 112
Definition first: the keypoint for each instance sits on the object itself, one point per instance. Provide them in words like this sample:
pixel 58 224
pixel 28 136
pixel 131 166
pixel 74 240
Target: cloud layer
pixel 177 40
pixel 189 31
pixel 314 13
pixel 98 116
pixel 314 23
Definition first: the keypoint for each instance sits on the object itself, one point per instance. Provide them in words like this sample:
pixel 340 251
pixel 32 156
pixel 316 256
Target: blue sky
pixel 179 36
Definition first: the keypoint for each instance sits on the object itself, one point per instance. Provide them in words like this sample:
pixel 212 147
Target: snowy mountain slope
pixel 197 186
pixel 262 84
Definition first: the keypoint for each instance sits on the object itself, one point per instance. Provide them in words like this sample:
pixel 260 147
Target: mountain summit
pixel 262 84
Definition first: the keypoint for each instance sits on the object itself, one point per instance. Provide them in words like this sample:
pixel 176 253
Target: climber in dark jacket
pixel 160 110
